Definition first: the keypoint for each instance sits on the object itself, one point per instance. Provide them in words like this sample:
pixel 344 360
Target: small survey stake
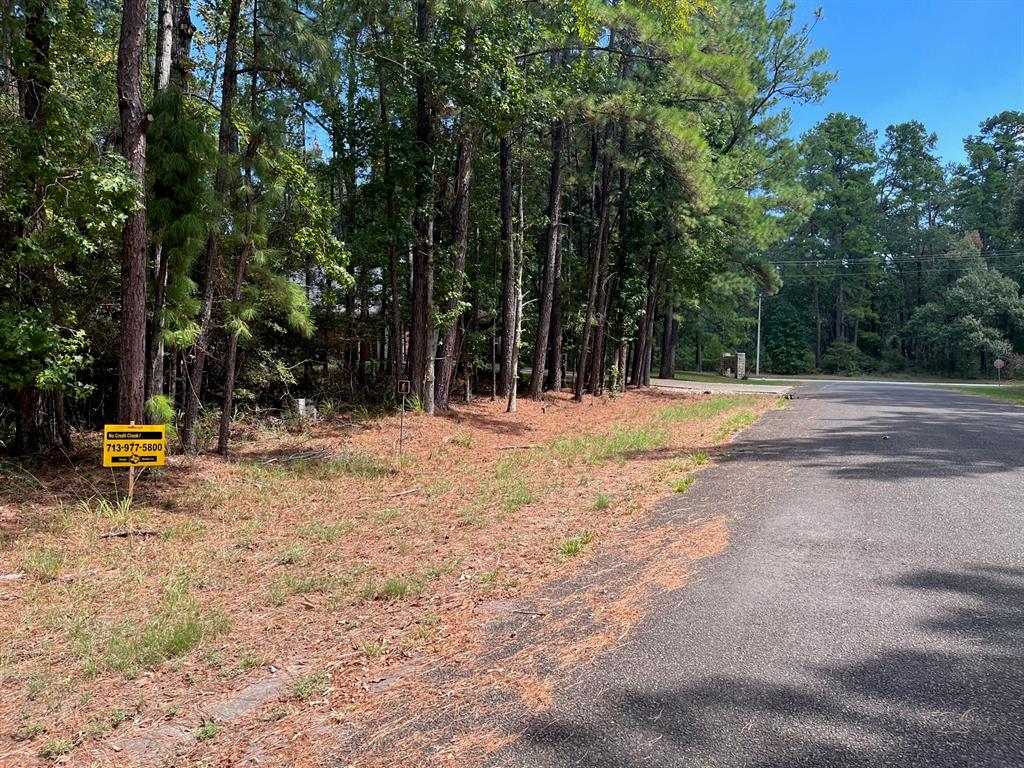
pixel 404 387
pixel 127 445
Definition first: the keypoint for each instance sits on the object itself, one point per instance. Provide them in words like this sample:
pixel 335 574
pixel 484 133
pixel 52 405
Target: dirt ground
pixel 320 598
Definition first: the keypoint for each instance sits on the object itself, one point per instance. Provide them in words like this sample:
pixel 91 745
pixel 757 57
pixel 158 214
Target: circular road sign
pixel 999 363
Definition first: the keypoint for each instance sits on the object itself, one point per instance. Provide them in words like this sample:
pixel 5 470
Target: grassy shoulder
pixel 714 378
pixel 321 546
pixel 1008 393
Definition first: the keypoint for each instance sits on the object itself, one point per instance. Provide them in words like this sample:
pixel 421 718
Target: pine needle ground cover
pixel 309 592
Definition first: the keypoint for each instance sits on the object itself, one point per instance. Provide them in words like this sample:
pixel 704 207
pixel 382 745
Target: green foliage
pixel 160 410
pixel 845 357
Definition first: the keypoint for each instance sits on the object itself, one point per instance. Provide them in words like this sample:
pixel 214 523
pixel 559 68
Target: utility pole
pixel 757 357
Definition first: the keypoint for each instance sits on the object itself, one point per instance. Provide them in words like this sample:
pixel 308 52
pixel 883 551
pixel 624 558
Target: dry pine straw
pixel 305 544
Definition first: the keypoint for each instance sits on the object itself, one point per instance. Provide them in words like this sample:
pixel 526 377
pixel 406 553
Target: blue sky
pixel 948 63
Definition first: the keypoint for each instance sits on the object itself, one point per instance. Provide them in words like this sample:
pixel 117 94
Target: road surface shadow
pixel 955 698
pixel 925 433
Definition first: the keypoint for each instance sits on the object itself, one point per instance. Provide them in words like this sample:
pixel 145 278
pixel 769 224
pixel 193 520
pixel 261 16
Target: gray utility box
pixel 734 365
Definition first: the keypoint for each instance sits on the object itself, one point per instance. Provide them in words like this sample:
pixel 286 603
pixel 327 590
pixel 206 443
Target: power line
pixel 933 270
pixel 906 259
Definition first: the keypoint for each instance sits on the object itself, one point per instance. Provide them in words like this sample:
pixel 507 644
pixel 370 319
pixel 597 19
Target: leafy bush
pixel 845 358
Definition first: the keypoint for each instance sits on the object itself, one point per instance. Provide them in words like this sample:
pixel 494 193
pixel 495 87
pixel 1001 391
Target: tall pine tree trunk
pixel 131 371
pixel 555 360
pixel 164 42
pixel 423 332
pixel 508 286
pixel 460 242
pixel 552 240
pixel 248 246
pixel 603 205
pixel 517 254
pixel 668 349
pixel 181 45
pixel 227 146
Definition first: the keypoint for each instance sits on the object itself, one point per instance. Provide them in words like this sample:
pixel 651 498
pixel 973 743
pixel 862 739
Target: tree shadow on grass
pixel 955 700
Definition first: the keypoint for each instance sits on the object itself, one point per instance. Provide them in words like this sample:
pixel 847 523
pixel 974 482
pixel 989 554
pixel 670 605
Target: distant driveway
pixel 724 386
pixel 869 610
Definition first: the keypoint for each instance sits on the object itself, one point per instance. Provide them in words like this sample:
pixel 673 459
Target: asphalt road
pixel 869 610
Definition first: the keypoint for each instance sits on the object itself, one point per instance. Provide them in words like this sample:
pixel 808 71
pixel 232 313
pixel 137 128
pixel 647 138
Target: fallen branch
pixel 123 534
pixel 390 495
pixel 517 447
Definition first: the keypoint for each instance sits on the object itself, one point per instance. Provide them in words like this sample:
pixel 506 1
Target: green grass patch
pixel 575 544
pixel 120 514
pixel 293 554
pixel 325 532
pixel 734 424
pixel 44 564
pixel 391 589
pixel 308 685
pixel 207 731
pixel 714 378
pixel 620 444
pixel 701 409
pixel 602 502
pixel 29 732
pixel 466 441
pixel 682 485
pixel 1007 393
pixel 358 463
pixel 179 626
pixel 56 748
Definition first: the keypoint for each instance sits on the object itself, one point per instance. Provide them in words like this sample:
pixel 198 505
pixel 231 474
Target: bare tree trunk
pixel 645 342
pixel 668 349
pixel 227 144
pixel 520 233
pixel 181 46
pixel 164 41
pixel 460 241
pixel 423 334
pixel 553 238
pixel 251 199
pixel 131 371
pixel 508 289
pixel 555 360
pixel 603 204
pixel 61 420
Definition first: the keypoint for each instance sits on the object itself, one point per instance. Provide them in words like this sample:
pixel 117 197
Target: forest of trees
pixel 212 205
pixel 904 265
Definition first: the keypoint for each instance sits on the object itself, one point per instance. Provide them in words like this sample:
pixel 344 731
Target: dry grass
pixel 327 551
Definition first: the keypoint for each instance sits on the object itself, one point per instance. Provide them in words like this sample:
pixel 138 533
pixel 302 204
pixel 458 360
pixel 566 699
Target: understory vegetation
pixel 219 572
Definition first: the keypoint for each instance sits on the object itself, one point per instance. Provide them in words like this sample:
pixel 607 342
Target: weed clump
pixel 177 628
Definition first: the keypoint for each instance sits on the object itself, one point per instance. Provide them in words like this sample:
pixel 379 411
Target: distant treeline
pixel 209 206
